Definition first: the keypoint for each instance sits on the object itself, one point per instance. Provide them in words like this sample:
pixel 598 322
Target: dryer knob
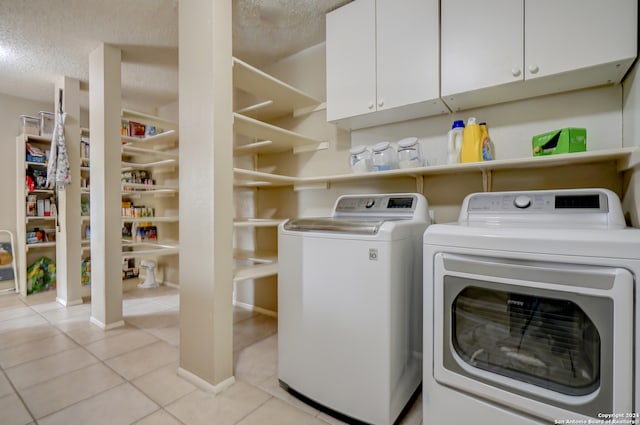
pixel 522 201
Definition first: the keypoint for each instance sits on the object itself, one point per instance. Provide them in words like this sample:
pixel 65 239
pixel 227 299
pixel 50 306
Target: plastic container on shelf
pixel 454 143
pixel 30 125
pixel 360 159
pixel 47 122
pixel 472 142
pixel 383 157
pixel 409 155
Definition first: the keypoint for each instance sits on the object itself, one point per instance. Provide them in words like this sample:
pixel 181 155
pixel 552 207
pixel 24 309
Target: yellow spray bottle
pixel 471 142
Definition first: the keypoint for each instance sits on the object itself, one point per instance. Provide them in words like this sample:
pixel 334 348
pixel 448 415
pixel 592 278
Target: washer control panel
pixel 375 204
pixel 394 206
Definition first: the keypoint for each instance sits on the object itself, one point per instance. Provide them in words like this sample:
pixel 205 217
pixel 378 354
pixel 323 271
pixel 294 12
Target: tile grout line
pixel 103 362
pixel 17 393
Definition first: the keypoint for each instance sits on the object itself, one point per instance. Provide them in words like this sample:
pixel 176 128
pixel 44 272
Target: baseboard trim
pixel 205 385
pixel 69 303
pixel 255 309
pixel 110 326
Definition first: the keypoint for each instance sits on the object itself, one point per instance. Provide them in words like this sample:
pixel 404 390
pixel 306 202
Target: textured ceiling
pixel 43 39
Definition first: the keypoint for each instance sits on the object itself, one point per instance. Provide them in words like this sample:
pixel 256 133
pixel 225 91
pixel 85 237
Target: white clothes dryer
pixel 350 306
pixel 531 311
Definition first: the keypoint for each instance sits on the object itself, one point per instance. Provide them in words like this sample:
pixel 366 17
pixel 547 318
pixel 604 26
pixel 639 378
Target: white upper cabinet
pixel 481 47
pixel 500 50
pixel 383 62
pixel 351 60
pixel 565 35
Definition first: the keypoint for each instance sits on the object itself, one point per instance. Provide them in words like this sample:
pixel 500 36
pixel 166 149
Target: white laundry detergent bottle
pixel 454 145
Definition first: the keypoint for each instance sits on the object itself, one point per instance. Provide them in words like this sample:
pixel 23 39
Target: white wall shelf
pixel 36 219
pixel 166 139
pixel 625 158
pixel 250 178
pixel 129 113
pixel 149 249
pixel 272 139
pixel 40 245
pixel 134 150
pixel 156 219
pixel 277 98
pixel 256 271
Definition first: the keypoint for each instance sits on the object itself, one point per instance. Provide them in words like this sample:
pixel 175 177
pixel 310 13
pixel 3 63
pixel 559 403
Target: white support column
pixel 68 262
pixel 105 199
pixel 206 193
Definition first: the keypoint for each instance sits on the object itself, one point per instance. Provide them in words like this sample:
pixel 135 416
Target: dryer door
pixel 548 338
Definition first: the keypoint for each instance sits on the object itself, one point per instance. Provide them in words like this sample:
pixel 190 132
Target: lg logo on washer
pixel 373 254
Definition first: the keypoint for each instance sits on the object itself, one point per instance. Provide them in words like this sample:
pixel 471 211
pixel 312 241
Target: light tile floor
pixel 57 368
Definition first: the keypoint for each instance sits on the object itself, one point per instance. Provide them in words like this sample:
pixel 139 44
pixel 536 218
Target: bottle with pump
pixel 472 142
pixel 454 145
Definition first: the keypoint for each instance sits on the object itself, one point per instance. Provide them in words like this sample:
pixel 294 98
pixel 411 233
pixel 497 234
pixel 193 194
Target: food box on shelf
pixel 566 140
pixel 35 154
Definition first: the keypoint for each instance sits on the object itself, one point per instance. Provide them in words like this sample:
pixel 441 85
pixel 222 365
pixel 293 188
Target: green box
pixel 560 141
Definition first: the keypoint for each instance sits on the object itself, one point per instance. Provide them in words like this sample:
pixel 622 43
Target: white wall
pixel 10 110
pixel 631 137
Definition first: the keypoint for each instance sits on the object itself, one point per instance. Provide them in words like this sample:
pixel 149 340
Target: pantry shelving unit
pixel 28 217
pixel 158 155
pixel 85 218
pixel 260 100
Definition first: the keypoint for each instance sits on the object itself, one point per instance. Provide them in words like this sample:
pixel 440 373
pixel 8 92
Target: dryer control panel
pixel 583 202
pixel 573 206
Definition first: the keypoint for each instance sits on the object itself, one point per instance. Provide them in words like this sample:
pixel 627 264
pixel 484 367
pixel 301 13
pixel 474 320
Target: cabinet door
pixel 564 35
pixel 482 44
pixel 351 60
pixel 407 52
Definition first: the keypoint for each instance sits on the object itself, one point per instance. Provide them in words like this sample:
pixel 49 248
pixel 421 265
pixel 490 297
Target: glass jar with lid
pixel 409 155
pixel 360 159
pixel 383 157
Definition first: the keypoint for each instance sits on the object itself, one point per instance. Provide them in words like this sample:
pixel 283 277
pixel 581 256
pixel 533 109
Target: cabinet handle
pixel 381 103
pixel 533 69
pixel 371 105
pixel 515 72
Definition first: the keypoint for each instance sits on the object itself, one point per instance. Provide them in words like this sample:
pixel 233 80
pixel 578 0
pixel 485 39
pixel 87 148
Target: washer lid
pixel 351 226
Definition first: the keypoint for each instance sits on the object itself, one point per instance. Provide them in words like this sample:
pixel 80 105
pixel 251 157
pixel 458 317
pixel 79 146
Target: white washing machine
pixel 349 306
pixel 529 311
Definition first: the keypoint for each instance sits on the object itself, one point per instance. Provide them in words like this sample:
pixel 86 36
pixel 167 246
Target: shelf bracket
pixel 487 181
pixel 420 184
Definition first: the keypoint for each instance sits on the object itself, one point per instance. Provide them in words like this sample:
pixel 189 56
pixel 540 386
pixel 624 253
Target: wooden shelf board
pixel 40 245
pixel 284 98
pixel 281 139
pixel 134 150
pixel 169 137
pixel 129 113
pixel 150 219
pixel 255 272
